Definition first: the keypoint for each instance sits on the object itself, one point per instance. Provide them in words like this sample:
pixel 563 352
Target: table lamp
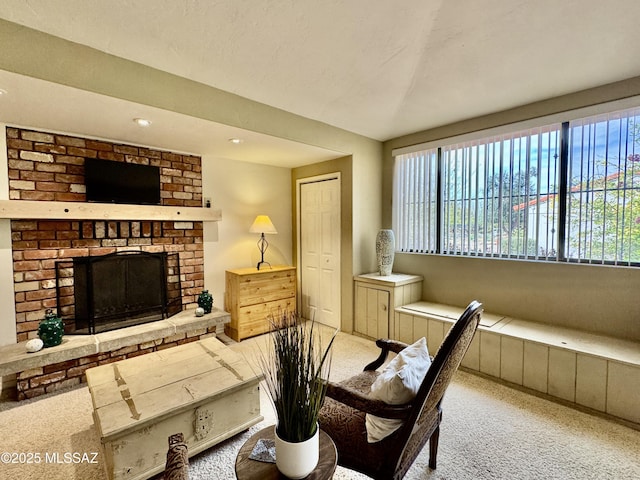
pixel 262 224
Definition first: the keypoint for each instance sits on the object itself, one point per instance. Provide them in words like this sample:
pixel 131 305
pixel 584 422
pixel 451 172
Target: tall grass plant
pixel 296 369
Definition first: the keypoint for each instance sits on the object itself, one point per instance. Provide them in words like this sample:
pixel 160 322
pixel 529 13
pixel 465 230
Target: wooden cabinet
pixel 251 295
pixel 377 297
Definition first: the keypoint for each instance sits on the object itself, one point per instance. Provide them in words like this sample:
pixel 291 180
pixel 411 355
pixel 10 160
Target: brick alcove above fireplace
pixel 48 169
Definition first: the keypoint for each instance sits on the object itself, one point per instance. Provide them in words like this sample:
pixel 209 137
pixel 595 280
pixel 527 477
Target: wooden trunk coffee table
pixel 248 469
pixel 203 389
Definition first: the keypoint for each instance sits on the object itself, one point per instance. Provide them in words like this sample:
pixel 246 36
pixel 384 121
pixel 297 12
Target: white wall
pixel 7 304
pixel 29 53
pixel 242 191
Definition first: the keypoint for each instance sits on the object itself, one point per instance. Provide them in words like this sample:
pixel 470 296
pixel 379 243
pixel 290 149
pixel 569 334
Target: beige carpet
pixel 489 431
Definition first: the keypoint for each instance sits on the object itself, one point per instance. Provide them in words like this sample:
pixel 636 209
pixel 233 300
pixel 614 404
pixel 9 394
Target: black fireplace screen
pixel 101 293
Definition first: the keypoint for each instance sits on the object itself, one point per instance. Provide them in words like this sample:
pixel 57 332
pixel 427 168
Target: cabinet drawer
pixel 265 289
pixel 253 320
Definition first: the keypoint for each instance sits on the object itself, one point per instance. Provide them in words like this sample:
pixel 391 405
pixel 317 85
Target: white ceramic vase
pixel 297 460
pixel 385 251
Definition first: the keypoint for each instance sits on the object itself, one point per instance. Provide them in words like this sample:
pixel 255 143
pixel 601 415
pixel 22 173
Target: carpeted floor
pixel 489 431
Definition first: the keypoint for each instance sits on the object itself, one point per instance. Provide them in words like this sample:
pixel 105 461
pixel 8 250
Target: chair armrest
pixel 359 401
pixel 385 346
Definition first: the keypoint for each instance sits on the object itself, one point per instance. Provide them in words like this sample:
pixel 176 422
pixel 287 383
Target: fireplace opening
pixel 101 293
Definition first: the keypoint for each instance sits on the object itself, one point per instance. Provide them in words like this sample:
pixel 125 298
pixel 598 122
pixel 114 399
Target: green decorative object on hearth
pixel 51 329
pixel 205 301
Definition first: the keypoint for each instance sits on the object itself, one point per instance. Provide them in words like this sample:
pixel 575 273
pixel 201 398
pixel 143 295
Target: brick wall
pixel 50 167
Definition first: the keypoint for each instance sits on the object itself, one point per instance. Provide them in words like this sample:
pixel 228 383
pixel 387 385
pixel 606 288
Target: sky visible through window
pixel 500 195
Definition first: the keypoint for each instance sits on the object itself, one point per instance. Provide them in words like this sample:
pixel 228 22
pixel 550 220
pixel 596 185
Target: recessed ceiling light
pixel 143 122
pixel 3 92
pixel 236 141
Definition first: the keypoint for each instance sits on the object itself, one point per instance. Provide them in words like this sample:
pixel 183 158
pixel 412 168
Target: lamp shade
pixel 262 224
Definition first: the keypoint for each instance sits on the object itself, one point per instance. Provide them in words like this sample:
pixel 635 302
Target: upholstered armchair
pixel 343 415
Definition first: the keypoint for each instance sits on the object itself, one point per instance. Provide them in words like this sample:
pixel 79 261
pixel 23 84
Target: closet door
pixel 319 247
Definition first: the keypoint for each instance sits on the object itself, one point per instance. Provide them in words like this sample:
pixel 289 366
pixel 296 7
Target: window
pixel 603 200
pixel 566 192
pixel 415 193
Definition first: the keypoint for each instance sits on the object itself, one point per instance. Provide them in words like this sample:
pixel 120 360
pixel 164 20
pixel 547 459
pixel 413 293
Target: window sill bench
pixel 593 371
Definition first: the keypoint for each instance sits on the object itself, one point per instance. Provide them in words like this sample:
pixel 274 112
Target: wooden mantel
pixel 26 209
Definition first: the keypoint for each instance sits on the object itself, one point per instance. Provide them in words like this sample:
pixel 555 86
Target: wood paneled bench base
pixel 592 371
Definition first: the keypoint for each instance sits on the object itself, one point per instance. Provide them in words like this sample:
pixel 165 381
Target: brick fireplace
pixel 49 167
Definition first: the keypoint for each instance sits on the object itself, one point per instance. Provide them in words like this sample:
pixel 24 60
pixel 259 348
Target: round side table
pixel 248 469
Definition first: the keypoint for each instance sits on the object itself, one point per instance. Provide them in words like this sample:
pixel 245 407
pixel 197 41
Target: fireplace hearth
pixel 101 293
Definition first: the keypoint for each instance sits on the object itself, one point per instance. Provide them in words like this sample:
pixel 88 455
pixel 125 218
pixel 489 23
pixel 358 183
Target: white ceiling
pixel 36 103
pixel 378 68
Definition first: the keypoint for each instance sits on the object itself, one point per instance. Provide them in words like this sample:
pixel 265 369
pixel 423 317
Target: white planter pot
pixel 297 460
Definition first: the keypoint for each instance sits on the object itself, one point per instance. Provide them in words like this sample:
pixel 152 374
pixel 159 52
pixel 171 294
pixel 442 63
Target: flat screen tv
pixel 118 182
